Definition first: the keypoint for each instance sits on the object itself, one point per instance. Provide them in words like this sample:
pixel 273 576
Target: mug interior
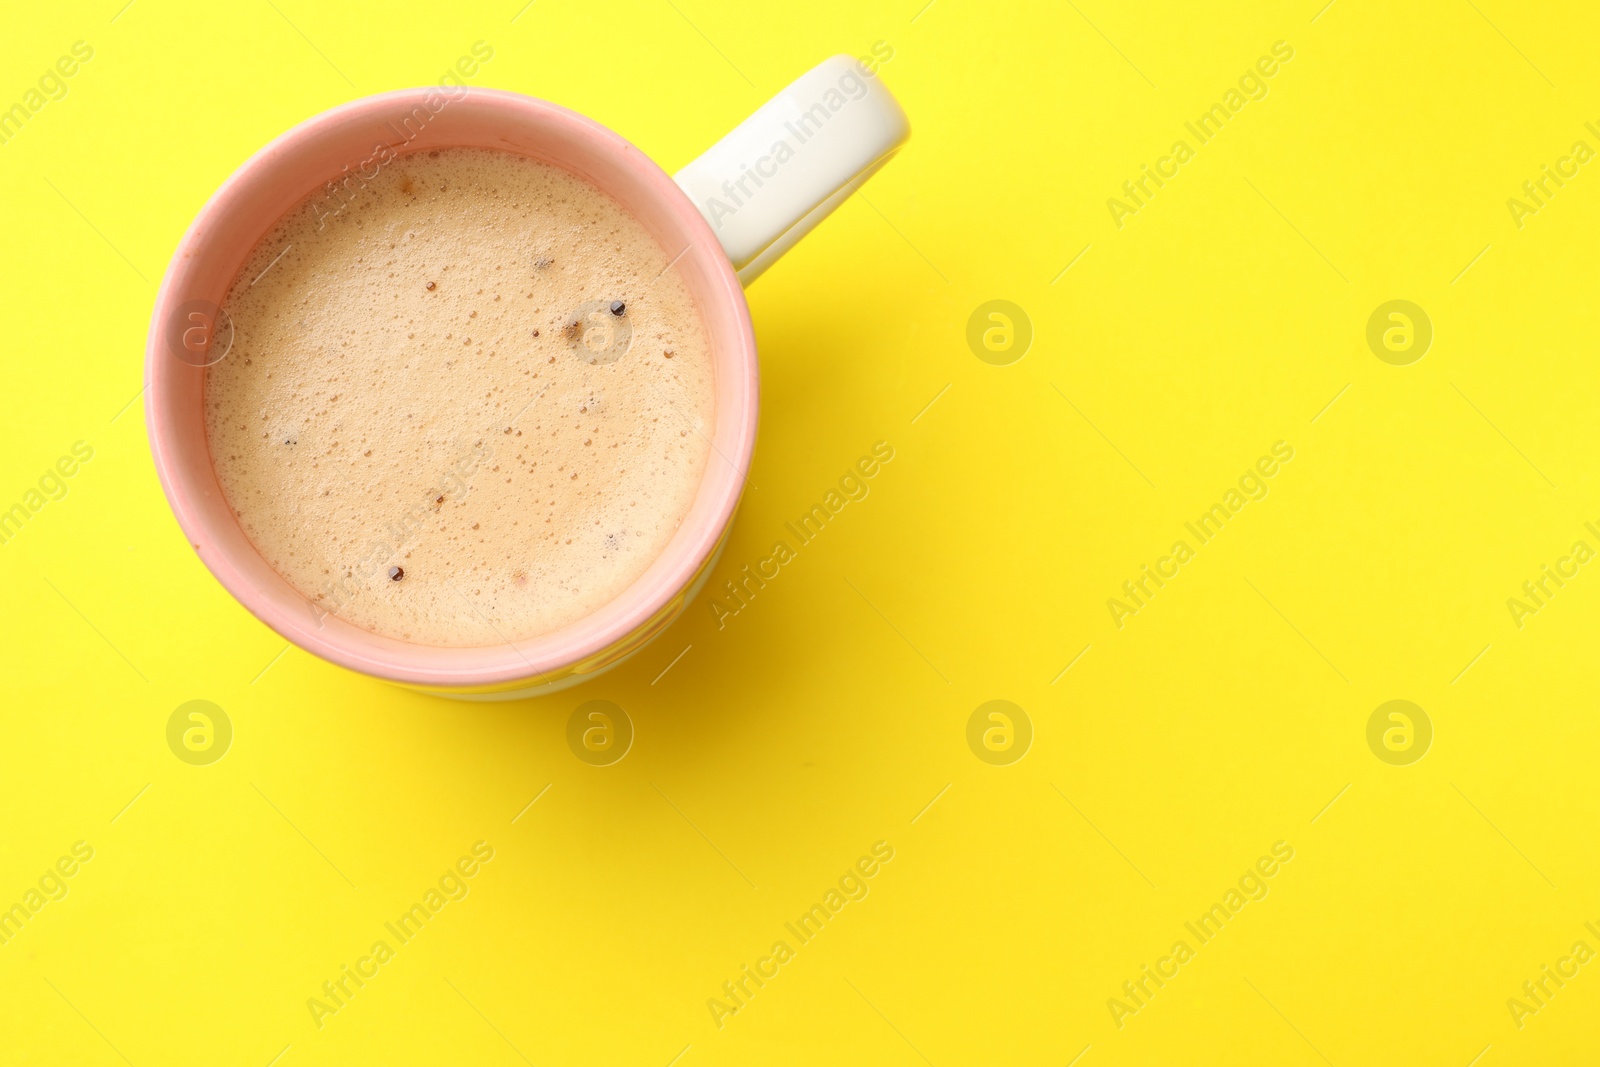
pixel 299 163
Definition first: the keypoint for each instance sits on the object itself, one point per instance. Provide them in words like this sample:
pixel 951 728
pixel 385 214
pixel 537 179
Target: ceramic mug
pixel 724 219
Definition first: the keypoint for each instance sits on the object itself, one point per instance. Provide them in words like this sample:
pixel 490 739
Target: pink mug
pixel 724 218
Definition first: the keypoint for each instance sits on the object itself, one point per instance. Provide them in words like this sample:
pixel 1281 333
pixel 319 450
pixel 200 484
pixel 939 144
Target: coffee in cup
pixel 467 401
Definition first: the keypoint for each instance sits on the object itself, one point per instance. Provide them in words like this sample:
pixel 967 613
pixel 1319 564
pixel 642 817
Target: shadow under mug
pixel 722 220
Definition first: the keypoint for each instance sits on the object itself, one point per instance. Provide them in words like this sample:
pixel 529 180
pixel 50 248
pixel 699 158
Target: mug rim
pixel 640 606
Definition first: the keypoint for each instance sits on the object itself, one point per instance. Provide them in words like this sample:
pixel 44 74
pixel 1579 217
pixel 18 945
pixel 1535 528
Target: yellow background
pixel 1225 716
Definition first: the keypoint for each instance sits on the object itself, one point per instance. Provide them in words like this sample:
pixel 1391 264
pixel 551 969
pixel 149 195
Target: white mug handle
pixel 786 167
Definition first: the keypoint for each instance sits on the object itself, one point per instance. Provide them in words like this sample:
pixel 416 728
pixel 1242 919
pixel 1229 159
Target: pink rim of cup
pixel 349 141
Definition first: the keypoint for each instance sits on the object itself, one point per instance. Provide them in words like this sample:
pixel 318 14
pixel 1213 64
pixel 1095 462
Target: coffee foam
pixel 411 386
